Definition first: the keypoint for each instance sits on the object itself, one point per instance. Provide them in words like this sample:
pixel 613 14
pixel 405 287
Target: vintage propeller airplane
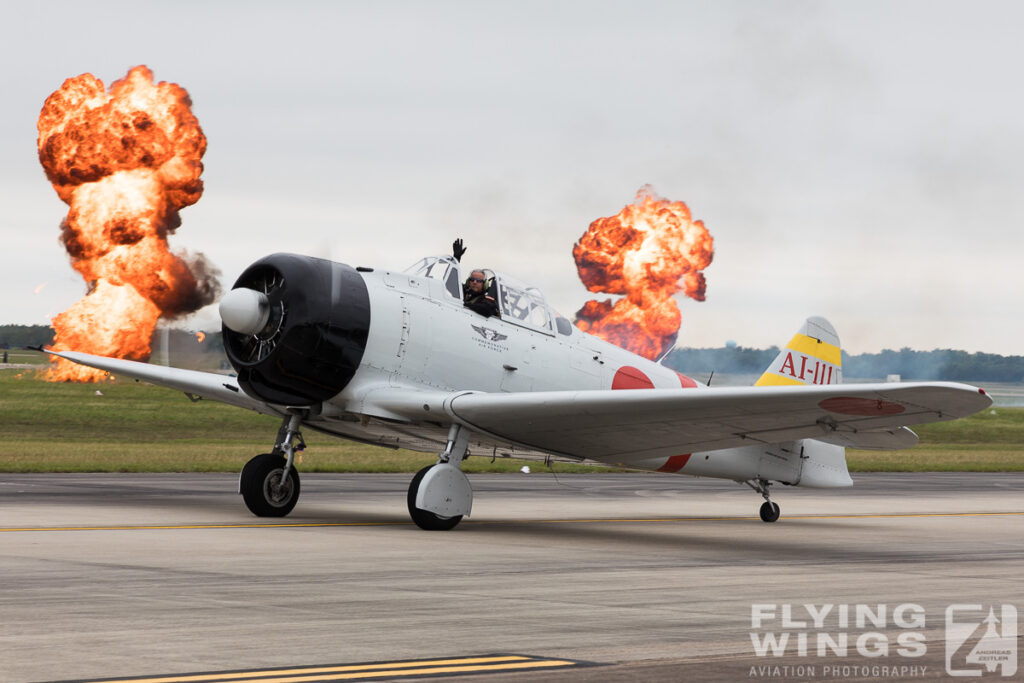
pixel 395 359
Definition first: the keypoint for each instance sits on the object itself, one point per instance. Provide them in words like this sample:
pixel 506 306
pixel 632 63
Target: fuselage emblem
pixel 489 334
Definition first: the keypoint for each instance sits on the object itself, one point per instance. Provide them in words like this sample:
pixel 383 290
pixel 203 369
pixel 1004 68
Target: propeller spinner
pixel 244 310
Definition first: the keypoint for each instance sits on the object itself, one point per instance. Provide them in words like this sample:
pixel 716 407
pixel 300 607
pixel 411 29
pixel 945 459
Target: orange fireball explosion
pixel 642 252
pixel 126 162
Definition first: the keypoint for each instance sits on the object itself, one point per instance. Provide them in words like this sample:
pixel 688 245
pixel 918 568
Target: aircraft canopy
pixel 518 302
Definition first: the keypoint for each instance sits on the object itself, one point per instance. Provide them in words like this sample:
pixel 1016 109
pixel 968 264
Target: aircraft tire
pixel 258 477
pixel 425 519
pixel 770 511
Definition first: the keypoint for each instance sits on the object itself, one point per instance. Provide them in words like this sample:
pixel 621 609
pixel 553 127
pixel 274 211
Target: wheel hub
pixel 276 491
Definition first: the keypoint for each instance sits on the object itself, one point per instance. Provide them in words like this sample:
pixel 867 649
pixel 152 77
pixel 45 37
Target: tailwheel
pixel 425 519
pixel 267 490
pixel 769 511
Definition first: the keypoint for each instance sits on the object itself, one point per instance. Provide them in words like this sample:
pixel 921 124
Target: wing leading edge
pixel 646 423
pixel 206 384
pixel 637 424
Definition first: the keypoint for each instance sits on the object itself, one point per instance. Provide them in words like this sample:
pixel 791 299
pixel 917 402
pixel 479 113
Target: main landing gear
pixel 440 495
pixel 769 511
pixel 269 483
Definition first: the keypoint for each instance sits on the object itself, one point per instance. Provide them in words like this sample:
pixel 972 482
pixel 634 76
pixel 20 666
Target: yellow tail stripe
pixel 770 379
pixel 809 346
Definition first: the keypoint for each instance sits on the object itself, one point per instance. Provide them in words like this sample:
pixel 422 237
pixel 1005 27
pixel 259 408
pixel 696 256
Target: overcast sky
pixel 858 160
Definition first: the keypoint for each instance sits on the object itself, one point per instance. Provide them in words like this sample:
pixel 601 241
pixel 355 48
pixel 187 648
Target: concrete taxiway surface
pixel 125 575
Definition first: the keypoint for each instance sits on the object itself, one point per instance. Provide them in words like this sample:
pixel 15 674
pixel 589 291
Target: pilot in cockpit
pixel 477 294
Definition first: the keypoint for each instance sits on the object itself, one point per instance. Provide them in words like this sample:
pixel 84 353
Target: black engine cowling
pixel 315 334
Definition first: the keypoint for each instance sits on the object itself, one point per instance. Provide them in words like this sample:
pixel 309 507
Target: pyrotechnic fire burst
pixel 126 161
pixel 648 252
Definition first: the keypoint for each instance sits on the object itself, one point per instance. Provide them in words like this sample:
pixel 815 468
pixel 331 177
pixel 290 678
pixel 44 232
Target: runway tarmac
pixel 638 577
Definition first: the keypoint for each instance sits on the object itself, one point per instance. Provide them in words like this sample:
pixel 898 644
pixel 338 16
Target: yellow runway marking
pixel 143 527
pixel 595 520
pixel 425 667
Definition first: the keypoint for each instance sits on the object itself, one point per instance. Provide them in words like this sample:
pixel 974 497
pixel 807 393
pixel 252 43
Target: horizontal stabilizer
pixel 881 440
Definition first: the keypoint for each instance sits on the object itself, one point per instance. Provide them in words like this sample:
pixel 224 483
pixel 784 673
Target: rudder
pixel 812 356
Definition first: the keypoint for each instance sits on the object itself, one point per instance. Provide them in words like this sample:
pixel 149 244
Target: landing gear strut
pixel 269 483
pixel 769 511
pixel 439 495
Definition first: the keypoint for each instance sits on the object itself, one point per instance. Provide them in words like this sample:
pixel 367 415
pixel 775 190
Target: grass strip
pixel 128 426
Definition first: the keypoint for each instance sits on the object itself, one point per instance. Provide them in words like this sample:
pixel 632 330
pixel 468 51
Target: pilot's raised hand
pixel 458 250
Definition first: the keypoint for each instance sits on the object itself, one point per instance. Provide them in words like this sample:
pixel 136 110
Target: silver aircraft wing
pixel 208 385
pixel 618 426
pixel 623 425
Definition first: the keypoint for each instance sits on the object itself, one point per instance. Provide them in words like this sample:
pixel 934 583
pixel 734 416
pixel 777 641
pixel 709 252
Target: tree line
pixel 23 336
pixel 938 364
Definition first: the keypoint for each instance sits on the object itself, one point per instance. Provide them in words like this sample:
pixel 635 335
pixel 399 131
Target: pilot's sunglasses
pixel 475 279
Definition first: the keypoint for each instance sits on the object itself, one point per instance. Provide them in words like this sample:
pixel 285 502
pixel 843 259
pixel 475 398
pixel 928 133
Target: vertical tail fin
pixel 812 356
